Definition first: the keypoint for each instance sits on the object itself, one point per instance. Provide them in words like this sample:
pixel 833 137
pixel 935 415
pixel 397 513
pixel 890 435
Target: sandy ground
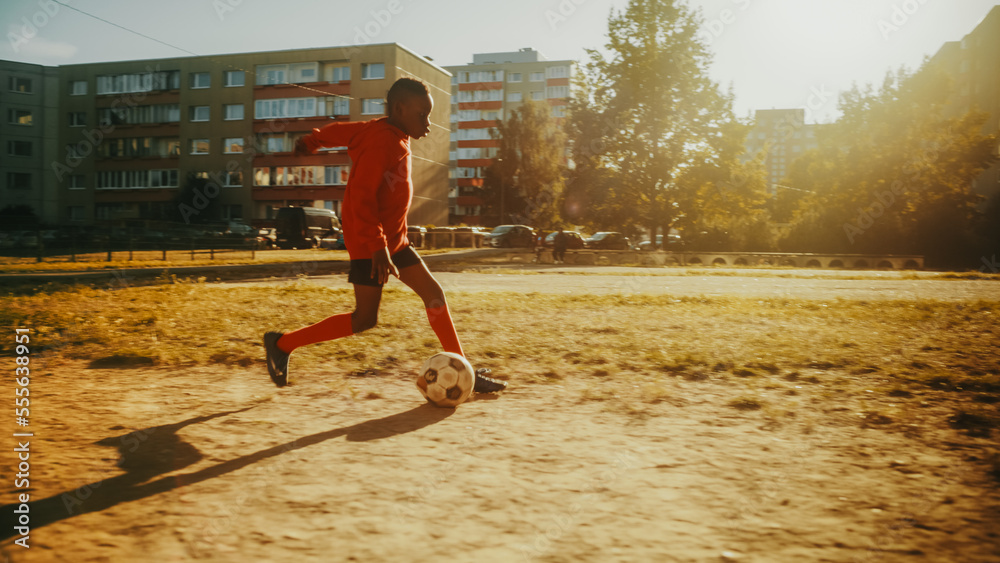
pixel 215 464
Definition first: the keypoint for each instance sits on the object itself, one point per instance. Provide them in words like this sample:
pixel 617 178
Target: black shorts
pixel 361 270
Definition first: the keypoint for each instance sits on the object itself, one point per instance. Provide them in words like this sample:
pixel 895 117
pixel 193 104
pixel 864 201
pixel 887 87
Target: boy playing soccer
pixel 378 196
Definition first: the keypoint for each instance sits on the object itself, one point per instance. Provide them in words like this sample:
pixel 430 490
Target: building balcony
pixel 304 90
pixel 281 193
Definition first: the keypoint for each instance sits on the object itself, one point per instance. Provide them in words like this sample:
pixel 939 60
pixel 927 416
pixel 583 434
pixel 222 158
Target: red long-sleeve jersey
pixel 379 188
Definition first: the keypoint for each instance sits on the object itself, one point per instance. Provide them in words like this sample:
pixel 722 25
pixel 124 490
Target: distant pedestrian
pixel 559 245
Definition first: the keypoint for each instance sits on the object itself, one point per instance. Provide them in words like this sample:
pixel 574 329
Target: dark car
pixel 575 240
pixel 511 236
pixel 305 227
pixel 608 241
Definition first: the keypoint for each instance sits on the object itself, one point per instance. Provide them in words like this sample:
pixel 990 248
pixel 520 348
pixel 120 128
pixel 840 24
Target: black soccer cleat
pixel 277 359
pixel 487 384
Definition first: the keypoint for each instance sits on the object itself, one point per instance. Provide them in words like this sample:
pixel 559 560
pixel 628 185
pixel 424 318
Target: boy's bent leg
pixel 422 282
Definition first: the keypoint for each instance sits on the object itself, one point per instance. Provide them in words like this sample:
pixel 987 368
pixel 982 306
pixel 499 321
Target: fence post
pixel 41 245
pixel 211 248
pixel 192 248
pixel 110 233
pixel 131 245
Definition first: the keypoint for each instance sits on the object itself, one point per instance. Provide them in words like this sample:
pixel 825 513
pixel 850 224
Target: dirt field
pixel 212 463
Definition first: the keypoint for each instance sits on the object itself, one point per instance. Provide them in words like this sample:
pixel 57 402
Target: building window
pixel 470 115
pixel 232 145
pixel 338 74
pixel 454 80
pixel 558 111
pixel 19 148
pixel 557 92
pixel 20 85
pixel 336 175
pixel 538 96
pixel 163 178
pixel 558 72
pixel 75 212
pixel 480 96
pixel 78 88
pixel 199 146
pixel 19 180
pixel 200 80
pixel 303 72
pixel 19 117
pixel 285 107
pixel 234 112
pixel 537 76
pixel 515 96
pixel 77 119
pixel 234 78
pixel 372 71
pixel 270 75
pixel 77 182
pixel 372 106
pixel 146 82
pixel 199 113
pixel 233 179
pixel 341 106
pixel 514 77
pixel 160 113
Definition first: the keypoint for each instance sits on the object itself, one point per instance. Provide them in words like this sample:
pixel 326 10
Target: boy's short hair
pixel 403 89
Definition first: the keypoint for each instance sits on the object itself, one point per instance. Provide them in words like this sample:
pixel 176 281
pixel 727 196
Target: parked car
pixel 27 239
pixel 416 234
pixel 267 238
pixel 673 241
pixel 575 240
pixel 305 227
pixel 608 241
pixel 240 229
pixel 511 236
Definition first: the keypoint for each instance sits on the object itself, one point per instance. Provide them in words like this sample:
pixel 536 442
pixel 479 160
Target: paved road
pixel 890 286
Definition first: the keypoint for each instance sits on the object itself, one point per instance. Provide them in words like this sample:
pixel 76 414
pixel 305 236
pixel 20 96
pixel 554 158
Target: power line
pixel 125 28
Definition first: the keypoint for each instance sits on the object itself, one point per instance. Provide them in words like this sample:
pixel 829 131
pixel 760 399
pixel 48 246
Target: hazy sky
pixel 775 53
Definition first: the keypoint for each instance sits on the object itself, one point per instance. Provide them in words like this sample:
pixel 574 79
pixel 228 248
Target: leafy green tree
pixel 894 174
pixel 649 116
pixel 526 182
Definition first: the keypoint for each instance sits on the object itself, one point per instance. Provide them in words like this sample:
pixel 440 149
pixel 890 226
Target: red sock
pixel 331 328
pixel 444 328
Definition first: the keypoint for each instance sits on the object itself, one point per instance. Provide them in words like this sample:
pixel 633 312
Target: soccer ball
pixel 446 380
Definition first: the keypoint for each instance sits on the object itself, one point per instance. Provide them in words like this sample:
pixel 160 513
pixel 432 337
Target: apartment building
pixel 132 134
pixel 483 93
pixel 28 106
pixel 974 66
pixel 784 136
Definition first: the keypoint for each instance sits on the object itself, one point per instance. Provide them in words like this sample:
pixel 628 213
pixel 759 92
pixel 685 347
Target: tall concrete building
pixel 483 93
pixel 783 135
pixel 29 109
pixel 132 134
pixel 974 66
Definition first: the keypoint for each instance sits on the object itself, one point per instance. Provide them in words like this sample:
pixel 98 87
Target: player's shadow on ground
pixel 149 453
